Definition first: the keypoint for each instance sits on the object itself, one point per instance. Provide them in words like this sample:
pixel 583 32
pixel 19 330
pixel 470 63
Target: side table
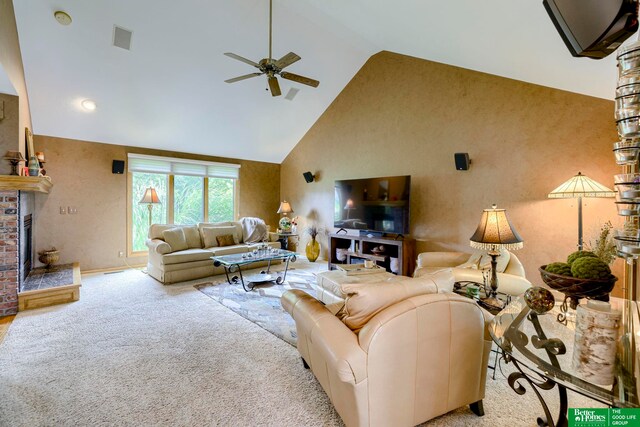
pixel 283 238
pixel 464 288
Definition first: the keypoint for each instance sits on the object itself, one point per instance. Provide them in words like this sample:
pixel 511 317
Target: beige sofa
pixel 168 265
pixel 403 353
pixel 470 266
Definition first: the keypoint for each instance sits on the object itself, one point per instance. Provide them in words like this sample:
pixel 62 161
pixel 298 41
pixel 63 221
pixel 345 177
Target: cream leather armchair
pixel 415 360
pixel 511 280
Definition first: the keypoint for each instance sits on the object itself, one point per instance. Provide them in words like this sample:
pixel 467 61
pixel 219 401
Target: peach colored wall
pixel 11 60
pixel 82 178
pixel 405 116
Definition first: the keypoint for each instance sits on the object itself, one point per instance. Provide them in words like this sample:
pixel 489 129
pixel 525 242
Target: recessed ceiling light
pixel 88 105
pixel 63 18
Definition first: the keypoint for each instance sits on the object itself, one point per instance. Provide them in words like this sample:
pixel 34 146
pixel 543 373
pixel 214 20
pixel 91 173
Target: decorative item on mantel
pixel 594 350
pixel 49 257
pixel 40 156
pixel 34 165
pixel 14 157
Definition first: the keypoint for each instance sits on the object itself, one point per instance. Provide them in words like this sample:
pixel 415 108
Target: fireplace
pixel 26 248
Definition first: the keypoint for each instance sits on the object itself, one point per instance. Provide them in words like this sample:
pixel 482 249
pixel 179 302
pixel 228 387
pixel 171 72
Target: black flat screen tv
pixel 373 204
pixel 593 28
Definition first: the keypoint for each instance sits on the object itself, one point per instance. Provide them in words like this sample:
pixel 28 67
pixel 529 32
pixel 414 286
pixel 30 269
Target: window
pixel 190 191
pixel 140 213
pixel 188 199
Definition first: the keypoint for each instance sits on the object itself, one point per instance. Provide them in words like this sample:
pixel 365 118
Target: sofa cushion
pixel 192 234
pixel 333 281
pixel 176 239
pixel 156 230
pixel 237 233
pixel 442 278
pixel 229 250
pixel 210 235
pixel 188 255
pixel 225 240
pixel 363 302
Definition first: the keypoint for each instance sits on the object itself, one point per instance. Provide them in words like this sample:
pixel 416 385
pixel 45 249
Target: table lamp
pixel 14 157
pixel 348 207
pixel 150 198
pixel 285 221
pixel 578 187
pixel 495 233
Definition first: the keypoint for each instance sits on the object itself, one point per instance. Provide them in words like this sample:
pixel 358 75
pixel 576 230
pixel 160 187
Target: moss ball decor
pixel 590 268
pixel 561 268
pixel 580 254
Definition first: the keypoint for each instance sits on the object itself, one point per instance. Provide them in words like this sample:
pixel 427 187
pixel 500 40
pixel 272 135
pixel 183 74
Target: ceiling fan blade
pixel 274 86
pixel 247 76
pixel 287 60
pixel 241 59
pixel 300 79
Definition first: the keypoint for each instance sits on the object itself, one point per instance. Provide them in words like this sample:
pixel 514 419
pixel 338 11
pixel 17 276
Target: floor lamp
pixel 578 187
pixel 150 198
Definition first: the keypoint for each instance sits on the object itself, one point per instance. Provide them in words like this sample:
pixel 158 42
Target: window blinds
pixel 173 166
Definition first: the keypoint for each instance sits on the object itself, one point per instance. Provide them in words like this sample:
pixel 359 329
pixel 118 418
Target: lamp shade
pixel 495 232
pixel 14 155
pixel 285 208
pixel 581 186
pixel 349 204
pixel 150 196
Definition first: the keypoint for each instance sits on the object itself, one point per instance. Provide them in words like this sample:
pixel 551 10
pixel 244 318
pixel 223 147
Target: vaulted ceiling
pixel 168 91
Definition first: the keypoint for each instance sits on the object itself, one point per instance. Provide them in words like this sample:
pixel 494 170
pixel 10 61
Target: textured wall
pixel 82 178
pixel 11 60
pixel 9 130
pixel 405 116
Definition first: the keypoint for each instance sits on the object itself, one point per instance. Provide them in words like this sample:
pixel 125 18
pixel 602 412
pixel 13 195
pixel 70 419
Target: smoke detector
pixel 63 18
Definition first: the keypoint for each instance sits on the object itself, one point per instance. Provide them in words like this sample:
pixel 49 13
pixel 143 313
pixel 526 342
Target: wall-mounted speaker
pixel 309 177
pixel 462 161
pixel 117 167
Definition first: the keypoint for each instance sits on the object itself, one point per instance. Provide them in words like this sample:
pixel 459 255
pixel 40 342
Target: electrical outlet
pixel 120 254
pixel 63 210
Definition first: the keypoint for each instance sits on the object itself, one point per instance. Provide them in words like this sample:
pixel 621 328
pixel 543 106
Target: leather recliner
pixel 414 360
pixel 511 278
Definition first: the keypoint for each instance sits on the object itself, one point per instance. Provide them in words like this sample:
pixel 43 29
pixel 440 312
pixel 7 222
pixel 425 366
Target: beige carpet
pixel 134 352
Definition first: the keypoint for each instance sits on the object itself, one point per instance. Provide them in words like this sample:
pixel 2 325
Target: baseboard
pixel 110 269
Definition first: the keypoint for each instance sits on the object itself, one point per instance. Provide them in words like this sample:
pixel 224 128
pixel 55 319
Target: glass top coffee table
pixel 541 349
pixel 234 263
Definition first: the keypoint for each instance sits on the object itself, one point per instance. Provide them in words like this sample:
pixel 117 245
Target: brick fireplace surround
pixel 9 252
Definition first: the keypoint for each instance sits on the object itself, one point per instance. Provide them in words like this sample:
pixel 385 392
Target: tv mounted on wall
pixel 593 28
pixel 373 204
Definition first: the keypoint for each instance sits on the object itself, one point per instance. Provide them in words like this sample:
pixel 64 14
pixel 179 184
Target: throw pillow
pixel 364 302
pixel 175 238
pixel 253 230
pixel 210 234
pixel 225 240
pixel 192 235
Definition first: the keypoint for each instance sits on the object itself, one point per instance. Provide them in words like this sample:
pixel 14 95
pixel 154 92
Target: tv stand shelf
pixel 396 257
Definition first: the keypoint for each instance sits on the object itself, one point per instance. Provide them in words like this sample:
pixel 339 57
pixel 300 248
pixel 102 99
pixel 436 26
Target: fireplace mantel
pixel 25 183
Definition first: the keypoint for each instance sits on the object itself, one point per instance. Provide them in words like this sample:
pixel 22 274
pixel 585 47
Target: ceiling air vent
pixel 122 38
pixel 292 93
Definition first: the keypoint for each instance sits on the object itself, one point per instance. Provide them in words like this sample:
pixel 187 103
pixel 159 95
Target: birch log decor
pixel 594 351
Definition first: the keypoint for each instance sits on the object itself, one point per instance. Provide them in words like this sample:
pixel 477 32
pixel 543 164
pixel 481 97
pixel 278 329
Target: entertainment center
pixel 396 256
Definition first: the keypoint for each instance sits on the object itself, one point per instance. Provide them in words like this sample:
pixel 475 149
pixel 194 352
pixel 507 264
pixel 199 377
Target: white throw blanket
pixel 253 230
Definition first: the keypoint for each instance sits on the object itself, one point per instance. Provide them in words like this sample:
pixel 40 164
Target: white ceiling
pixel 168 91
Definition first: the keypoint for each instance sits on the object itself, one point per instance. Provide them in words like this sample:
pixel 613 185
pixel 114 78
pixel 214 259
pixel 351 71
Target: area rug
pixel 262 305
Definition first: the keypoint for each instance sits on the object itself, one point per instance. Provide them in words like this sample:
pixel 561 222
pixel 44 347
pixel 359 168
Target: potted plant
pixel 313 247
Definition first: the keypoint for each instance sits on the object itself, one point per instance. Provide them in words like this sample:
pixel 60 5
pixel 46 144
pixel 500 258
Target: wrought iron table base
pixel 236 268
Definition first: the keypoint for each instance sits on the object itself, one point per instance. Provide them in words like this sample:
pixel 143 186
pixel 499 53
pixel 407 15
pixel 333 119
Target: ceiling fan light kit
pixel 272 68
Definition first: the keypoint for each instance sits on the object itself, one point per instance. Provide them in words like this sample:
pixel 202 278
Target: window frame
pixel 170 195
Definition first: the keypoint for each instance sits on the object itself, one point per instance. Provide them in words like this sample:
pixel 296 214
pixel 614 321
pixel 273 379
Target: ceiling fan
pixel 271 67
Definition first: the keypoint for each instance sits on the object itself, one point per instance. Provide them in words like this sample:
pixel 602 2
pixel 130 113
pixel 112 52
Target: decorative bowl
pixel 49 257
pixel 575 288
